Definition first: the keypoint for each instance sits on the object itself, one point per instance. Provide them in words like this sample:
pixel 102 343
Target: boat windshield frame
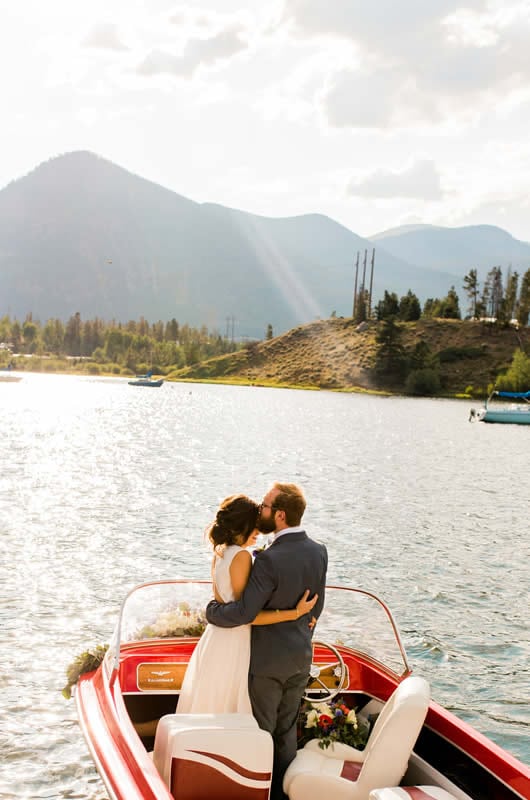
pixel 370 630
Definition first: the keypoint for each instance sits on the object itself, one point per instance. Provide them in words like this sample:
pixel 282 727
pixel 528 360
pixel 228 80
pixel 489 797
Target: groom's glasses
pixel 272 508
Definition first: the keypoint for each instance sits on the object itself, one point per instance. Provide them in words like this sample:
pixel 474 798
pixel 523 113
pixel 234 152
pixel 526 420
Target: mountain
pixel 456 249
pixel 80 233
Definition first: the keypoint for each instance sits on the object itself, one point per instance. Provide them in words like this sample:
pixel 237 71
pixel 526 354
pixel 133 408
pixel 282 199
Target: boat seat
pixel 344 773
pixel 411 793
pixel 209 756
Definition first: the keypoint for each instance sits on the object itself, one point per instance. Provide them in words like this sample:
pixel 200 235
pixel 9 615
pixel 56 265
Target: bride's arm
pixel 240 572
pixel 214 585
pixel 239 575
pixel 304 606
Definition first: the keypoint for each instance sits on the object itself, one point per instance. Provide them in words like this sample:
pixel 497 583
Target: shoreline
pixel 250 383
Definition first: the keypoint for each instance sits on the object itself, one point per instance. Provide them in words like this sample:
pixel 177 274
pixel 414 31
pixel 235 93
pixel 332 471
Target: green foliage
pixel 423 357
pixel 446 308
pixel 493 293
pixel 391 361
pixel 87 661
pixel 361 307
pixel 523 307
pixel 517 377
pixel 135 344
pixel 409 307
pixel 423 382
pixel 510 297
pixel 388 306
pixel 471 289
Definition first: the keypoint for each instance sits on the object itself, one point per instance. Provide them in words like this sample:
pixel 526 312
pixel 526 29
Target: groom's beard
pixel 266 525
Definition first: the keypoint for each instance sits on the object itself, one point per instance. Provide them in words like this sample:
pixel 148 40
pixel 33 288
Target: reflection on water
pixel 104 486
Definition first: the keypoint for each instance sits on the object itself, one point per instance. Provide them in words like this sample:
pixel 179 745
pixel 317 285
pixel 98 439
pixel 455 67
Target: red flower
pixel 325 721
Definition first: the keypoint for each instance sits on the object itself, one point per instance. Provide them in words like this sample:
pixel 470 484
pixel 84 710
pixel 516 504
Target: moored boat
pixel 126 710
pixel 511 415
pixel 146 380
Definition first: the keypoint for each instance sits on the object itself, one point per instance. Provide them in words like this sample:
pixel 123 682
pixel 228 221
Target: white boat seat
pixel 411 793
pixel 209 756
pixel 344 773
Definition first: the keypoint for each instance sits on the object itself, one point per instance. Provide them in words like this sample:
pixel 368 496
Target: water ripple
pixel 105 487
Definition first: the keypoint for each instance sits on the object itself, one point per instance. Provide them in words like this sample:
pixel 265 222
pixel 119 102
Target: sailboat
pixel 512 414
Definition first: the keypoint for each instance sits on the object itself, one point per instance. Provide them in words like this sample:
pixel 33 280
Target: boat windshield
pixel 352 618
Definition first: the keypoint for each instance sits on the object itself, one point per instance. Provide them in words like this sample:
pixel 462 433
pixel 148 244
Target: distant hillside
pixel 456 249
pixel 333 354
pixel 82 234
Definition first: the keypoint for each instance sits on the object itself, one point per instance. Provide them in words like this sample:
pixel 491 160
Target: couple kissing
pixel 255 653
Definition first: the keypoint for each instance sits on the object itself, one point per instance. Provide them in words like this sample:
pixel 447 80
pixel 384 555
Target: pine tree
pixel 471 289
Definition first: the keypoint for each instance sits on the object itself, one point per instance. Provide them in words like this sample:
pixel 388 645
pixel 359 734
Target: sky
pixel 377 114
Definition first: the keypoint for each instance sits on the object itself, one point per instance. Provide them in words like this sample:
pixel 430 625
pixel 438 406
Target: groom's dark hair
pixel 290 500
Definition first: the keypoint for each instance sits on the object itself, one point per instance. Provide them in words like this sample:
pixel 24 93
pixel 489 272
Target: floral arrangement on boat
pixel 182 620
pixel 88 661
pixel 332 722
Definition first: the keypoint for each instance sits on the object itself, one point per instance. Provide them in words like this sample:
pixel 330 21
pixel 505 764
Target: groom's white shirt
pixel 285 531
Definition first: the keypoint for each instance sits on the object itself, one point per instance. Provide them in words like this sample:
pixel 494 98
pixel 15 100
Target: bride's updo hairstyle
pixel 235 520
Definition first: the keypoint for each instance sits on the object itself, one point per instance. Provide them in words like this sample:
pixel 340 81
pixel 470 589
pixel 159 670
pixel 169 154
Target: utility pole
pixel 371 284
pixel 355 285
pixel 364 273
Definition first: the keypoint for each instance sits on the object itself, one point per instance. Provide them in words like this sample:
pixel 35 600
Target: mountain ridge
pixel 80 233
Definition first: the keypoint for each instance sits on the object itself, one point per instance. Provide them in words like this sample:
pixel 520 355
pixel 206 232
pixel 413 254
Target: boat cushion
pixel 214 756
pixel 344 773
pixel 411 793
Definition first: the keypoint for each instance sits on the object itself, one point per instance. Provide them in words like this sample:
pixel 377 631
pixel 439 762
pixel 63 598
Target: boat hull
pixel 139 682
pixel 147 382
pixel 507 416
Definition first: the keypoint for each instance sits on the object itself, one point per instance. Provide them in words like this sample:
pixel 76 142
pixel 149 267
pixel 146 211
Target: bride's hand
pixel 304 606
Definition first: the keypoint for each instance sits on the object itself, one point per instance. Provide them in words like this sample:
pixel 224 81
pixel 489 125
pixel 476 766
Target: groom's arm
pixel 243 611
pixel 317 610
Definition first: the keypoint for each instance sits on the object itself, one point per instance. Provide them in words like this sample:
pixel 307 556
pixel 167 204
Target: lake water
pixel 103 486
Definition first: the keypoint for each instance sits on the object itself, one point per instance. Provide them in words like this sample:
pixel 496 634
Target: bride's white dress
pixel 216 680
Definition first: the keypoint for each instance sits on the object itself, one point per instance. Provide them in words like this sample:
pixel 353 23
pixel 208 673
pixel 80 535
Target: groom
pixel 280 654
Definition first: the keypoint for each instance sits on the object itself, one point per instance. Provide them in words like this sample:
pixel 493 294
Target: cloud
pixel 105 36
pixel 429 61
pixel 421 180
pixel 354 99
pixel 197 52
pixel 381 25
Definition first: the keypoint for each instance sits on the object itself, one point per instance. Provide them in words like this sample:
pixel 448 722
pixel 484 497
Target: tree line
pixel 496 299
pixel 129 346
pixel 418 371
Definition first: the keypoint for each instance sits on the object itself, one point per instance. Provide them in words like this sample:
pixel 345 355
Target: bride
pixel 216 680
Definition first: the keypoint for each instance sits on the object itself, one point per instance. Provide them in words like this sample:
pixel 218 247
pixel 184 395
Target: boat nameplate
pixel 162 676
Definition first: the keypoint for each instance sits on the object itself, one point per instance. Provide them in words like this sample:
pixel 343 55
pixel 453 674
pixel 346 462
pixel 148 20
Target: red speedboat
pixel 144 751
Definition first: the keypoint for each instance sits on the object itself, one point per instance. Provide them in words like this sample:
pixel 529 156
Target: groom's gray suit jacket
pixel 279 577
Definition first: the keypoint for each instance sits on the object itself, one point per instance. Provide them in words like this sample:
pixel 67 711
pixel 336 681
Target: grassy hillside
pixel 333 354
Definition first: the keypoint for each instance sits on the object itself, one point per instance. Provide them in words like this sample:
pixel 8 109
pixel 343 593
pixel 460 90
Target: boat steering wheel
pixel 339 671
